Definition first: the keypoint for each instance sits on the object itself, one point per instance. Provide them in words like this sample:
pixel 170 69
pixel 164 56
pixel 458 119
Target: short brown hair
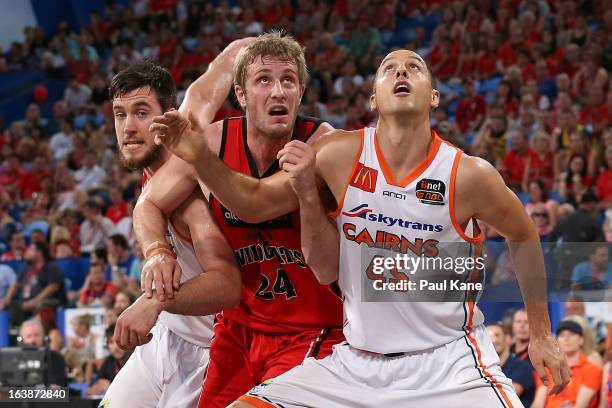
pixel 145 73
pixel 275 44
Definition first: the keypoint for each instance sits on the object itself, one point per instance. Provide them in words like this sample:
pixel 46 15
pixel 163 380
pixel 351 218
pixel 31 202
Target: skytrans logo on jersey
pixel 362 211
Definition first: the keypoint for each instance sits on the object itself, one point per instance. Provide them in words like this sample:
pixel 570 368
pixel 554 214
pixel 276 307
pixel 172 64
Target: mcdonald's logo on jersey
pixel 364 178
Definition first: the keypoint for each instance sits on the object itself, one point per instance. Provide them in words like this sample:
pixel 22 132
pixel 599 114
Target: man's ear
pixel 240 96
pixel 373 105
pixel 435 98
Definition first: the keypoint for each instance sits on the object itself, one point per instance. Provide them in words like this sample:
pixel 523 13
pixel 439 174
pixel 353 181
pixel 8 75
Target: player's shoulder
pixel 474 168
pixel 313 127
pixel 477 180
pixel 337 152
pixel 339 139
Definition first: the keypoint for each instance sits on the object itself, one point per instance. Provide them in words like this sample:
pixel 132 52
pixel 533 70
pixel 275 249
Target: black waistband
pixel 391 355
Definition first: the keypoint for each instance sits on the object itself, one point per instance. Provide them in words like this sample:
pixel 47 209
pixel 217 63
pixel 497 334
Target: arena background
pixel 525 85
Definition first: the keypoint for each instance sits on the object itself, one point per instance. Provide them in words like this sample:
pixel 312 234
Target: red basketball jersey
pixel 280 294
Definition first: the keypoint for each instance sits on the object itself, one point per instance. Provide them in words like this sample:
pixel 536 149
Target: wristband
pixel 158 251
pixel 155 247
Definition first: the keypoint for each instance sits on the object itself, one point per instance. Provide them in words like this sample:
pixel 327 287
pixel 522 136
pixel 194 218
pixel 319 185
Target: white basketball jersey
pixel 197 330
pixel 413 216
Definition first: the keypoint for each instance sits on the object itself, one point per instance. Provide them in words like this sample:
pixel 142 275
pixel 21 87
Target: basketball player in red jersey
pixel 397 361
pixel 284 315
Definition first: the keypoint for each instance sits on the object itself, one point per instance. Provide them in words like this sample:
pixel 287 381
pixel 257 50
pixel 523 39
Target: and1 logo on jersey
pixel 364 178
pixel 430 191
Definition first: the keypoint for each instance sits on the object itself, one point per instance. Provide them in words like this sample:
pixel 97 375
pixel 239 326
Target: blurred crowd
pixel 525 85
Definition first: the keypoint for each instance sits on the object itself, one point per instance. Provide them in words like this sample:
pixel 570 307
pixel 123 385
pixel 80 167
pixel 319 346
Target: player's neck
pixel 263 148
pixel 403 143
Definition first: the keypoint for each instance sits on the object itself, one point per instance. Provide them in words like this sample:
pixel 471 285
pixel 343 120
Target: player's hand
pixel 544 352
pixel 298 159
pixel 164 271
pixel 135 323
pixel 183 137
pixel 235 46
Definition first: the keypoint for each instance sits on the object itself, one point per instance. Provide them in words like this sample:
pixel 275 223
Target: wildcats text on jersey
pixel 264 252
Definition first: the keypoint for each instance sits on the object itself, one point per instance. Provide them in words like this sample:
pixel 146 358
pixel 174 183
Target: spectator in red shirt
pixel 507 52
pixel 550 51
pixel 595 113
pixel 466 64
pixel 585 78
pixel 471 109
pixel 539 165
pixel 604 180
pixel 529 29
pixel 525 63
pixel 486 62
pixel 514 161
pixel 96 291
pixel 571 60
pixel 118 208
pixel 443 59
pixel 506 99
pixel 17 247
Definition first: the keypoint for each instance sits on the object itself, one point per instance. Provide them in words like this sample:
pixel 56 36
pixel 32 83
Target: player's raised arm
pixel 484 195
pixel 203 95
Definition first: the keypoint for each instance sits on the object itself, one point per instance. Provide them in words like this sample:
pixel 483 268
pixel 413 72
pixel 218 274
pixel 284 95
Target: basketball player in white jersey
pixel 401 182
pixel 168 367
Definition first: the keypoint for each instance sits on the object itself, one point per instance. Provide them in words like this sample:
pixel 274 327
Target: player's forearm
pixel 320 241
pixel 531 275
pixel 250 199
pixel 209 293
pixel 149 223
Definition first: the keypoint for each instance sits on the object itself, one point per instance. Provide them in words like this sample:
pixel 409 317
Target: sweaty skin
pixel 403 117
